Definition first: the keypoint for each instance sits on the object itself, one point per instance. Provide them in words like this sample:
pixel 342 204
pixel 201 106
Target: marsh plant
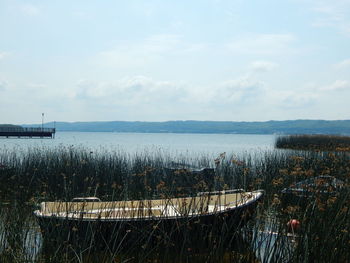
pixel 316 142
pixel 41 174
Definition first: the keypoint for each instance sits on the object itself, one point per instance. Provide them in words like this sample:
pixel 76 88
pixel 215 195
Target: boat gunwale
pixel 256 195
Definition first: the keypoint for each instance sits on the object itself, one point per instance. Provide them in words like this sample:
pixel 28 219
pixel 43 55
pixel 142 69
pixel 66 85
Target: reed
pixel 316 142
pixel 41 174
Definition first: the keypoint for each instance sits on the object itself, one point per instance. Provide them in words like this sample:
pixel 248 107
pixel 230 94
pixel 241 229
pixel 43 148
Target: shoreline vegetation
pixel 315 142
pixel 219 127
pixel 50 174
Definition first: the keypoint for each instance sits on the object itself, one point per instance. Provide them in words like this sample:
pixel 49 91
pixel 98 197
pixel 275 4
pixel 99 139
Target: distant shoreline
pixel 207 127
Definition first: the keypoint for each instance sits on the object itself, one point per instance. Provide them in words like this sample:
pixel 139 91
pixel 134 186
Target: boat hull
pixel 122 232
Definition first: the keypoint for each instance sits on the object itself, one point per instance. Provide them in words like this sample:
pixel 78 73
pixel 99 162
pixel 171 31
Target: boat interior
pixel 203 203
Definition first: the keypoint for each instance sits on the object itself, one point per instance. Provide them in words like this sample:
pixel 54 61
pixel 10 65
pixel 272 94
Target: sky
pixel 160 60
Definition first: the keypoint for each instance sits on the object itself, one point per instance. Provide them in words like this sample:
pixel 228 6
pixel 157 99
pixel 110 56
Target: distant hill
pixel 268 127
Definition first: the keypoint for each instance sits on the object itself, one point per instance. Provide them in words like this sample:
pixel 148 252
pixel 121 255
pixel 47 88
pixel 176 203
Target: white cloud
pixel 4 55
pixel 337 86
pixel 144 98
pixel 3 85
pixel 195 55
pixel 335 14
pixel 138 54
pixel 132 98
pixel 130 91
pixel 15 96
pixel 88 89
pixel 145 52
pixel 300 100
pixel 263 44
pixel 242 91
pixel 161 43
pixel 343 64
pixel 263 66
pixel 29 9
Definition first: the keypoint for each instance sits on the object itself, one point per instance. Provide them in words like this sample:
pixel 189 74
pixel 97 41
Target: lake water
pixel 169 143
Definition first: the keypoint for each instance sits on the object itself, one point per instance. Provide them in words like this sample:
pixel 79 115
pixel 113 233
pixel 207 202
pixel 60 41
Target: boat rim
pixel 257 194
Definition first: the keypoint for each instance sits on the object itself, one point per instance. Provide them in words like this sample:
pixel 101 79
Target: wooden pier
pixel 20 132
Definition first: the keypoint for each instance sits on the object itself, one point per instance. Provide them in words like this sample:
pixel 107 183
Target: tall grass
pixel 317 142
pixel 42 174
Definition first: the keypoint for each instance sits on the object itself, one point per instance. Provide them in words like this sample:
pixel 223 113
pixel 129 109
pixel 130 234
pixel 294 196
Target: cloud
pixel 29 10
pixel 3 85
pixel 139 92
pixel 148 51
pixel 243 90
pixel 4 55
pixel 140 53
pixel 144 98
pixel 338 85
pixel 343 64
pixel 263 44
pixel 295 99
pixel 161 43
pixel 334 14
pixel 133 98
pixel 263 66
pixel 130 91
pixel 88 89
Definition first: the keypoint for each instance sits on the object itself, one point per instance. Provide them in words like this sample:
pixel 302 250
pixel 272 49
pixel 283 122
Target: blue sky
pixel 159 60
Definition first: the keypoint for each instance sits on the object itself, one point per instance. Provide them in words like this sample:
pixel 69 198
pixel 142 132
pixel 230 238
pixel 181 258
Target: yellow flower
pixel 277 181
pixel 276 200
pixel 331 200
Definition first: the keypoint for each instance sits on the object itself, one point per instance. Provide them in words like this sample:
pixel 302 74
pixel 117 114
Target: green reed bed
pixel 315 142
pixel 65 173
pixel 38 174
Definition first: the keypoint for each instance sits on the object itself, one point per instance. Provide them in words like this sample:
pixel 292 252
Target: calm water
pixel 170 143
